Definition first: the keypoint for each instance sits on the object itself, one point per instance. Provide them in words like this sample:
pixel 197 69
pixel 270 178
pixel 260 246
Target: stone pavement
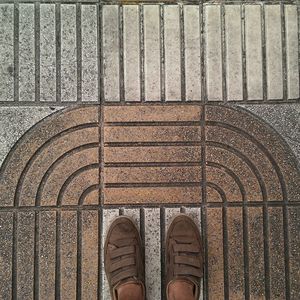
pixel 147 110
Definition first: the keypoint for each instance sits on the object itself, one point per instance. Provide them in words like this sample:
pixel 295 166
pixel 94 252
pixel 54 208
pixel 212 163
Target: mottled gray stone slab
pixel 15 121
pixel 47 53
pixel 172 52
pixel 170 213
pixel 26 53
pixel 292 49
pixel 152 52
pixel 68 53
pixel 108 216
pixel 90 253
pixel 253 52
pixel 134 214
pixel 152 253
pixel 111 52
pixel 273 51
pixel 6 52
pixel 89 53
pixel 6 241
pixel 68 254
pixel 25 256
pixel 213 51
pixel 131 53
pixel 47 250
pixel 284 118
pixel 192 52
pixel 234 76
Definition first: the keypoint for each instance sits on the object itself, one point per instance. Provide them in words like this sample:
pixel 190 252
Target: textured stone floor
pixel 112 108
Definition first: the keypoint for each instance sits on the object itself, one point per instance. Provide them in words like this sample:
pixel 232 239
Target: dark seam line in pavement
pixel 264 54
pixel 223 53
pixel 55 164
pixel 142 52
pixel 57 256
pixel 153 144
pixel 204 201
pixel 244 57
pixel 149 205
pixel 286 242
pixel 225 247
pixel 162 252
pixel 266 248
pixel 86 192
pixel 121 52
pixel 121 211
pixel 151 123
pixel 37 22
pixel 149 103
pixel 100 137
pixel 246 248
pixel 39 150
pixel 79 52
pixel 100 232
pixel 153 164
pixel 14 277
pixel 182 52
pixel 58 51
pixel 16 51
pixel 79 256
pixel 36 280
pixel 202 53
pixel 142 229
pixel 284 52
pixel 162 54
pixel 71 178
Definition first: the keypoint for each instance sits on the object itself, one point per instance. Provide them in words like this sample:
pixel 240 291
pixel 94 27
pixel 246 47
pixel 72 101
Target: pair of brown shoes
pixel 124 261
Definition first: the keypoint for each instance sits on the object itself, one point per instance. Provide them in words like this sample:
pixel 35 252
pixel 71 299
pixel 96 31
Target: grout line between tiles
pixel 79 52
pixel 37 50
pixel 16 51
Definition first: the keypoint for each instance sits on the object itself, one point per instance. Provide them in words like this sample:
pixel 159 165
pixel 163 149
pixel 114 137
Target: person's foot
pixel 184 260
pixel 123 261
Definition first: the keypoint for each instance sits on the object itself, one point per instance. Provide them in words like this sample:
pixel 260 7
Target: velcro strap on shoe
pixel 186 248
pixel 122 251
pixel 130 272
pixel 188 260
pixel 187 271
pixel 125 262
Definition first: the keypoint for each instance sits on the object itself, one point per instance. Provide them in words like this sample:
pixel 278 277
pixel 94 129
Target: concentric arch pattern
pixel 55 163
pixel 151 154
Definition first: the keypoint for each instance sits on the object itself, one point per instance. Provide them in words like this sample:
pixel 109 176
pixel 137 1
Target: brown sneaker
pixel 184 260
pixel 123 256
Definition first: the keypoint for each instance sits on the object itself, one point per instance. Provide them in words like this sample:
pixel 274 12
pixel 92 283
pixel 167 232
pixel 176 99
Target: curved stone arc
pixel 86 192
pixel 274 143
pixel 70 178
pixel 57 162
pixel 22 150
pixel 39 151
pixel 218 189
pixel 233 175
pixel 241 169
pixel 247 161
pixel 261 147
